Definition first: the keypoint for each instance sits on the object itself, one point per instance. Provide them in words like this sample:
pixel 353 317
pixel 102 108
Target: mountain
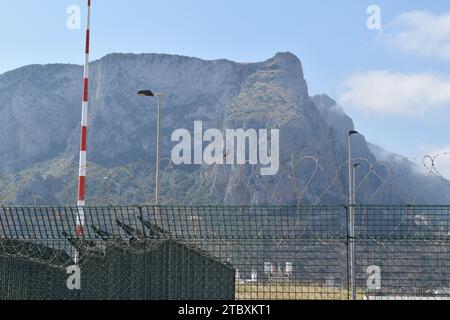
pixel 39 135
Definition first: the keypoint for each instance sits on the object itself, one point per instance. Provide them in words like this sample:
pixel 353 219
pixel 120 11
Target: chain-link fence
pixel 224 253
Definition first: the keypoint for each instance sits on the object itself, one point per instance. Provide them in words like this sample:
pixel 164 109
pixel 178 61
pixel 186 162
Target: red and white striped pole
pixel 84 123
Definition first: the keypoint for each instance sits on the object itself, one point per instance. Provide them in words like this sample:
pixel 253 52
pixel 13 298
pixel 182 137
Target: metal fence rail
pixel 208 252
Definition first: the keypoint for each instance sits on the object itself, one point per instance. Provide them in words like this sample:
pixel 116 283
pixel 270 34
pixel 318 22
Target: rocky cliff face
pixel 40 114
pixel 39 109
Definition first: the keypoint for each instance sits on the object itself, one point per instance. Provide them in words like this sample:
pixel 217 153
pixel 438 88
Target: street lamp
pixel 355 166
pixel 351 218
pixel 350 193
pixel 149 93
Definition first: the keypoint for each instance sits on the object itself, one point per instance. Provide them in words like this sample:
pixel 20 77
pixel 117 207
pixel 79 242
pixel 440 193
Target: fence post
pixel 351 251
pixel 141 218
pixel 352 247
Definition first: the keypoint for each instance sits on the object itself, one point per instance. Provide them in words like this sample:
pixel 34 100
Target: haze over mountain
pixel 39 135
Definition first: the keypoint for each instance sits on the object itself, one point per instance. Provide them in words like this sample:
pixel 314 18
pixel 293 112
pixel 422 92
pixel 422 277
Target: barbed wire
pixel 432 166
pixel 314 174
pixel 374 169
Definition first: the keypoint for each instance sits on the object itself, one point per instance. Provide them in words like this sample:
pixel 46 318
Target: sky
pixel 393 81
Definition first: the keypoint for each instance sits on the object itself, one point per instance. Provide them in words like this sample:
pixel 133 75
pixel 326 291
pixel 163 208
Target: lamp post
pixel 355 166
pixel 149 93
pixel 350 193
pixel 351 217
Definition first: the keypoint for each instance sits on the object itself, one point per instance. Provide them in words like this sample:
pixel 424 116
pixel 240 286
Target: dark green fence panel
pixel 230 252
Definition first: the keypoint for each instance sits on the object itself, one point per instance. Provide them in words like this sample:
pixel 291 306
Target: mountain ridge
pixel 40 108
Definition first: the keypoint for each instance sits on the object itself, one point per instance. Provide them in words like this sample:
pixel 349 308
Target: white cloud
pixel 420 32
pixel 386 92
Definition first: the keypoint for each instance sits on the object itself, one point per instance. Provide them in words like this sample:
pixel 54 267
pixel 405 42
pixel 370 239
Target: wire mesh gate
pixel 147 252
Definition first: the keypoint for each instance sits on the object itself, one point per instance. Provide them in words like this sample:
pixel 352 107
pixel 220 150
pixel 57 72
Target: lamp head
pixel 146 93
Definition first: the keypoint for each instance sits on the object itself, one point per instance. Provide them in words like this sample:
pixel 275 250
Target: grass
pixel 289 291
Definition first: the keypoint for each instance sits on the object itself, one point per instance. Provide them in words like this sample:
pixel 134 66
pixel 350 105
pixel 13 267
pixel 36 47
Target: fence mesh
pixel 225 253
